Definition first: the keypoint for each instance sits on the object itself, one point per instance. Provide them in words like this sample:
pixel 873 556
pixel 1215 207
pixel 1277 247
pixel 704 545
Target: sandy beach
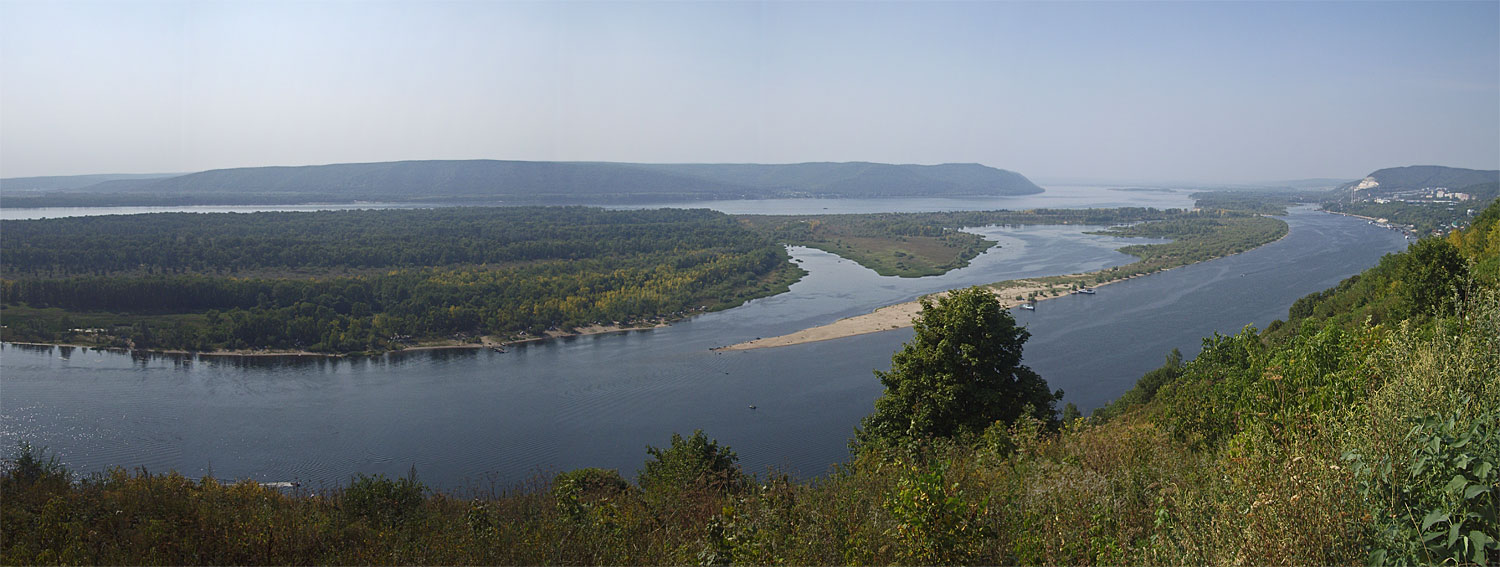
pixel 899 315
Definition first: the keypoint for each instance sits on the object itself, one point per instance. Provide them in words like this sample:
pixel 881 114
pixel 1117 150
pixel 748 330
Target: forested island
pixel 1366 430
pixel 374 280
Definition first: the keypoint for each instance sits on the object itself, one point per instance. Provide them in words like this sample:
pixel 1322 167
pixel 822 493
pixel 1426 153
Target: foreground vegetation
pixel 1340 442
pixel 1399 288
pixel 353 281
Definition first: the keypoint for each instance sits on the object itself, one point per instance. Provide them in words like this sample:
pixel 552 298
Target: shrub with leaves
pixel 382 501
pixel 1439 504
pixel 937 522
pixel 33 465
pixel 696 462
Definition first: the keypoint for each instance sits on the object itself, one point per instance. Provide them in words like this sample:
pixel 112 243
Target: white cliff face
pixel 1367 183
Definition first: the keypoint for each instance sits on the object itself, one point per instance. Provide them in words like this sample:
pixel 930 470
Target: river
pixel 480 419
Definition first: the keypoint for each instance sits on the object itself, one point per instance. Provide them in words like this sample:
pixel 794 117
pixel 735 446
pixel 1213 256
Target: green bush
pixel 937 522
pixel 695 463
pixel 1439 502
pixel 33 465
pixel 382 501
pixel 579 490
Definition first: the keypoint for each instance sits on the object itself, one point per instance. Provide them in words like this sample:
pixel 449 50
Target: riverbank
pixel 488 342
pixel 1011 293
pixel 902 315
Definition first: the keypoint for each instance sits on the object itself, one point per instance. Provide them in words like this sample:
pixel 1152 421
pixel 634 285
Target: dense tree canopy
pixel 1433 274
pixel 960 374
pixel 696 462
pixel 348 281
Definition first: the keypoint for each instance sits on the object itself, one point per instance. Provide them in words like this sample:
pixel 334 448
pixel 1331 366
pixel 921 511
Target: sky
pixel 1179 91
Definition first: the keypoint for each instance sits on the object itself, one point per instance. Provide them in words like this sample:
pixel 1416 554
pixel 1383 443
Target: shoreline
pixel 886 318
pixel 900 315
pixel 485 342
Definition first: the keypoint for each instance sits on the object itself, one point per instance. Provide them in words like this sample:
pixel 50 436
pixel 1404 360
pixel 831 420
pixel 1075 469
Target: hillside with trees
pixel 1395 180
pixel 862 179
pixel 75 182
pixel 518 183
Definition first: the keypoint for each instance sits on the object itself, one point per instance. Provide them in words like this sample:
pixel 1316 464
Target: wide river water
pixel 477 418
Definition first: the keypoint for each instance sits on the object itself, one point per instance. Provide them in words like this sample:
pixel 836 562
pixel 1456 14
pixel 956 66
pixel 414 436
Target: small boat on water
pixel 1028 306
pixel 752 406
pixel 1085 290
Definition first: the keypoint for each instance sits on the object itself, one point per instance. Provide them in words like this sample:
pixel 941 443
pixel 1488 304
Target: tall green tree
pixel 1434 271
pixel 960 374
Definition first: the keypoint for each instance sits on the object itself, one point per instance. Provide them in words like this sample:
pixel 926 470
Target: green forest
pixel 1364 431
pixel 354 281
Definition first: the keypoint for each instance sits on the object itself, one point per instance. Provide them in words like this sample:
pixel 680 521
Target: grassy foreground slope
pixel 1345 442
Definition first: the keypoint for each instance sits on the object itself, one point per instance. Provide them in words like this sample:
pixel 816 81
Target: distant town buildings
pixel 1423 195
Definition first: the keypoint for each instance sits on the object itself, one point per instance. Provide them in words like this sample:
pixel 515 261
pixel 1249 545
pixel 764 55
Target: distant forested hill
pixel 523 182
pixel 70 182
pixel 863 179
pixel 1395 179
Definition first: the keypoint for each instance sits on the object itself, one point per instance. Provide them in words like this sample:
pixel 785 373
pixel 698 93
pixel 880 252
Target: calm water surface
pixel 476 418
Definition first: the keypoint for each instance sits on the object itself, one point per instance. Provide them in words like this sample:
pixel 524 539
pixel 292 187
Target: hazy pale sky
pixel 1206 91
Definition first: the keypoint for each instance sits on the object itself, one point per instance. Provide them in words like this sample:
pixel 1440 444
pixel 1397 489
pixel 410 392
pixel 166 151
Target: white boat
pixel 1028 307
pixel 1085 290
